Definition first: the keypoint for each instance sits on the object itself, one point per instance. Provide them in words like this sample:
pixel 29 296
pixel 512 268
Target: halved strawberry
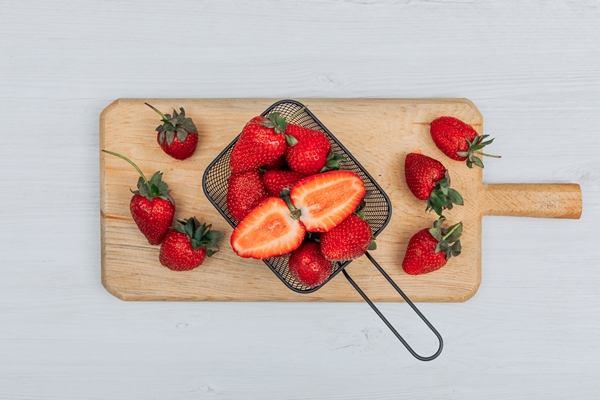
pixel 326 199
pixel 267 231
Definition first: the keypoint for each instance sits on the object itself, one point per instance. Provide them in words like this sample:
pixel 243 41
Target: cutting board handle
pixel 562 200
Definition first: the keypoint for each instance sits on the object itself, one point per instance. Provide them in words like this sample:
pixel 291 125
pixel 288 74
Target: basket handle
pixel 410 303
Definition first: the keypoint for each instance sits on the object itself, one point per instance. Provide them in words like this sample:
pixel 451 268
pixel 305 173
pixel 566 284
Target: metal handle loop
pixel 410 303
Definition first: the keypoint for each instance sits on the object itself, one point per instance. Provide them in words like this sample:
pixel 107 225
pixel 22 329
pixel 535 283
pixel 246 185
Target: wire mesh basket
pixel 377 210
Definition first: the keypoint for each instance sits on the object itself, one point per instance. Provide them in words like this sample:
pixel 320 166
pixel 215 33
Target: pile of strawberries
pixel 185 245
pixel 427 178
pixel 290 198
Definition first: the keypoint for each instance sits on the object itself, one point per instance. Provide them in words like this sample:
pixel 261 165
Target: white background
pixel 533 70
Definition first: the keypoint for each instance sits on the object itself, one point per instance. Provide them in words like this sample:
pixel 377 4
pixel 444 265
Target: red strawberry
pixel 262 142
pixel 275 181
pixel 178 135
pixel 312 154
pixel 324 200
pixel 429 249
pixel 277 164
pixel 186 245
pixel 245 191
pixel 429 180
pixel 151 206
pixel 459 141
pixel 267 231
pixel 348 240
pixel 308 266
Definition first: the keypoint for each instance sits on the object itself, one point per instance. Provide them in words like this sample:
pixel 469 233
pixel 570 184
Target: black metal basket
pixel 378 209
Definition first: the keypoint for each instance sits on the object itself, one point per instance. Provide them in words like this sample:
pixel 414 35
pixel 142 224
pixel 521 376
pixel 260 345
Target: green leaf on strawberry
pixel 200 235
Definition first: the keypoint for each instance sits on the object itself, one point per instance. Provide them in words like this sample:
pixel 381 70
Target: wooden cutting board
pixel 378 132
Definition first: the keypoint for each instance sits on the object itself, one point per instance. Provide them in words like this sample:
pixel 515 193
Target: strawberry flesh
pixel 267 231
pixel 326 199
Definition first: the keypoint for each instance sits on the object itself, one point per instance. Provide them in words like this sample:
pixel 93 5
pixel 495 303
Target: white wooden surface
pixel 532 68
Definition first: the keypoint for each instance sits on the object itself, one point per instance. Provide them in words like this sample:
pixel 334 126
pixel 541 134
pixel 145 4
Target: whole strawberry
pixel 275 181
pixel 178 135
pixel 151 206
pixel 308 266
pixel 245 191
pixel 459 141
pixel 428 179
pixel 348 240
pixel 312 154
pixel 262 142
pixel 430 249
pixel 186 245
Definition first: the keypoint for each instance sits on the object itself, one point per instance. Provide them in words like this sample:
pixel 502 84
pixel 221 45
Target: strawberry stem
pixel 164 118
pixel 294 212
pixel 294 115
pixel 130 162
pixel 446 236
pixel 487 155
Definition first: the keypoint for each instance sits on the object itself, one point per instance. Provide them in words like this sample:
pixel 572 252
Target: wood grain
pixel 378 132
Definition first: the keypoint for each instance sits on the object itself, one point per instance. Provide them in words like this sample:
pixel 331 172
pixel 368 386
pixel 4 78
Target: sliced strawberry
pixel 326 199
pixel 267 231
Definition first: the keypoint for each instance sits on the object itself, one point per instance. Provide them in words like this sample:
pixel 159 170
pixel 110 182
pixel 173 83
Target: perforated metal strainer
pixel 378 211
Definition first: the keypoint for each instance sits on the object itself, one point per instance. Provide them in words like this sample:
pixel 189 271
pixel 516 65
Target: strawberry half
pixel 267 231
pixel 430 249
pixel 187 245
pixel 262 142
pixel 245 190
pixel 324 200
pixel 308 266
pixel 348 240
pixel 152 207
pixel 459 140
pixel 428 179
pixel 178 135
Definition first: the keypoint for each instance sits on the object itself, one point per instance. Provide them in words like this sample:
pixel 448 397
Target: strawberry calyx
pixel 178 124
pixel 333 161
pixel 279 124
pixel 294 212
pixel 448 238
pixel 443 196
pixel 150 189
pixel 360 212
pixel 475 147
pixel 200 235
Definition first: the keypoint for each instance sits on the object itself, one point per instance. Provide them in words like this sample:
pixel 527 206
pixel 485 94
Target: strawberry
pixel 151 206
pixel 429 180
pixel 348 240
pixel 459 141
pixel 178 135
pixel 186 245
pixel 245 191
pixel 275 181
pixel 262 142
pixel 324 200
pixel 267 231
pixel 308 266
pixel 430 249
pixel 312 154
